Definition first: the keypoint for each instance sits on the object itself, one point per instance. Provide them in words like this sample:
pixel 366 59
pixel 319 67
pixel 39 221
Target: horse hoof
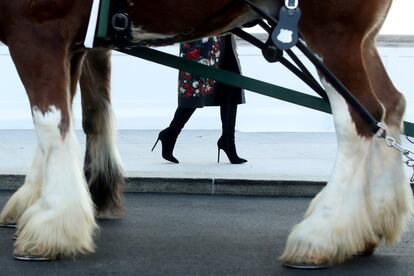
pixel 366 253
pixel 29 258
pixel 8 225
pixel 306 266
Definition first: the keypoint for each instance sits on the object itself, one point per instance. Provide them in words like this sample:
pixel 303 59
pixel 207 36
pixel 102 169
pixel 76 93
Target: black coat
pixel 195 91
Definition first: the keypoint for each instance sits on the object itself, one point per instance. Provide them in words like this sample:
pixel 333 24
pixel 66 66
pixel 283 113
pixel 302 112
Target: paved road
pixel 201 235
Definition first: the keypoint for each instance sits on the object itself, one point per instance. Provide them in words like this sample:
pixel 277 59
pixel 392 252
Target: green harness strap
pixel 408 129
pixel 103 20
pixel 230 78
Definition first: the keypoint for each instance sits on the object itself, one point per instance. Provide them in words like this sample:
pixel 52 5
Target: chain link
pixel 409 162
pixel 408 156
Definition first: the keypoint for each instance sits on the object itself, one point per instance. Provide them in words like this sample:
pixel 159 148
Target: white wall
pixel 145 97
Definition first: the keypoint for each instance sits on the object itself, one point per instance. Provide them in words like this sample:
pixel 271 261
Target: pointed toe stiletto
pixel 167 144
pixel 229 148
pixel 168 136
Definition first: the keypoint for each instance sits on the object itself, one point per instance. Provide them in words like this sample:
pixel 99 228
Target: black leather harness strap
pixel 120 24
pixel 272 54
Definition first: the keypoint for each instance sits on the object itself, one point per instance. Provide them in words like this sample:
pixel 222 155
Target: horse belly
pixel 184 20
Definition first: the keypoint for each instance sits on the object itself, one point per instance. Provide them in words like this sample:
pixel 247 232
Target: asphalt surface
pixel 201 235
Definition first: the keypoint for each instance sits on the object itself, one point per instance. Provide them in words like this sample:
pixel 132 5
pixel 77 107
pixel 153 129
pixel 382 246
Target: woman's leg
pixel 228 113
pixel 229 98
pixel 169 135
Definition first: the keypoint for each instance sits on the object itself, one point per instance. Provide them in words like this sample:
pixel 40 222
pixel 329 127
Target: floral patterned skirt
pixel 195 91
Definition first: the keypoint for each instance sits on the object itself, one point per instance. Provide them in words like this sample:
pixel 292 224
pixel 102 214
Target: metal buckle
pixel 120 22
pixel 291 4
pixel 381 133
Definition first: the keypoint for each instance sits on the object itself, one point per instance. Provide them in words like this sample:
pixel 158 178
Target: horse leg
pixel 102 166
pixel 339 222
pixel 30 191
pixel 390 192
pixel 27 194
pixel 61 221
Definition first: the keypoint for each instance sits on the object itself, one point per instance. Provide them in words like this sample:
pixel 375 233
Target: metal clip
pixel 291 4
pixel 408 156
pixel 392 143
pixel 381 133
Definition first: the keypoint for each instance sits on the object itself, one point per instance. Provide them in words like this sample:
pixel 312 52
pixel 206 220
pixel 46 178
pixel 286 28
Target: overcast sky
pixel 400 20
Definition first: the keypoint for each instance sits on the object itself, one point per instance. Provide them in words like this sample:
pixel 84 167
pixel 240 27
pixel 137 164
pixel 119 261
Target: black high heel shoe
pixel 228 146
pixel 167 142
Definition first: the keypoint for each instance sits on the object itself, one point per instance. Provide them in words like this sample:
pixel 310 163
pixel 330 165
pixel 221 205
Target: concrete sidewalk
pixel 271 156
pixel 284 164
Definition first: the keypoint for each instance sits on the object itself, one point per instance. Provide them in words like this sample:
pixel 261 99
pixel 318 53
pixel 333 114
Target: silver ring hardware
pixel 120 22
pixel 291 4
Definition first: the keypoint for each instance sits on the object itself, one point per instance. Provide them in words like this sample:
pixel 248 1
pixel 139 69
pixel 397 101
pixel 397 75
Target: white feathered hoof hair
pixel 27 194
pixel 333 232
pixel 45 232
pixel 62 221
pixel 390 196
pixel 103 166
pixel 338 224
pixel 17 204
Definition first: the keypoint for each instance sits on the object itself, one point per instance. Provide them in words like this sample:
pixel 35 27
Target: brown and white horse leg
pixel 103 168
pixel 61 221
pixel 390 192
pixel 368 198
pixel 30 191
pixel 339 223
